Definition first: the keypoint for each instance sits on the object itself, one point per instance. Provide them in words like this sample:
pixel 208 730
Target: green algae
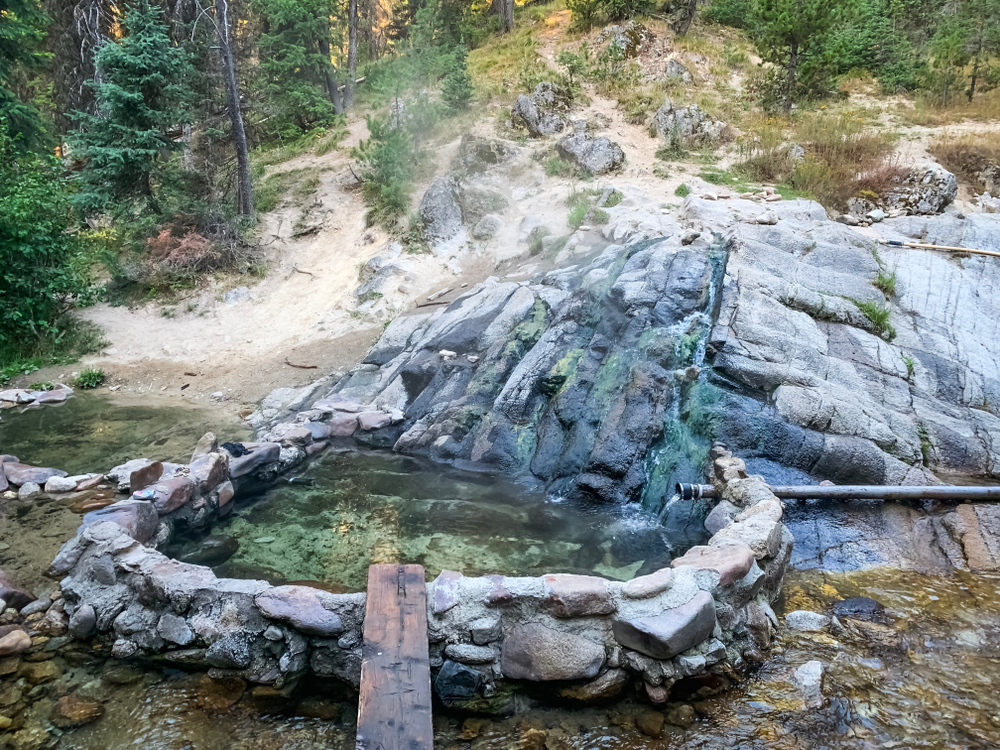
pixel 562 374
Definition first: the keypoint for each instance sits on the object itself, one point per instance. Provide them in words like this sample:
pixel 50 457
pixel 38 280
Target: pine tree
pixel 294 63
pixel 456 88
pixel 22 29
pixel 141 98
pixel 790 33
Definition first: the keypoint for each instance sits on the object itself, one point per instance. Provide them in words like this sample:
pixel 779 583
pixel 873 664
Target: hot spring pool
pixel 348 510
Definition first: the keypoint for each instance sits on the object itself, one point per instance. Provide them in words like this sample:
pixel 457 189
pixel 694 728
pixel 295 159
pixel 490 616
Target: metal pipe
pixel 856 492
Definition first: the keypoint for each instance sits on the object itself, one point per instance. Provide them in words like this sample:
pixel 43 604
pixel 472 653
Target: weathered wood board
pixel 394 712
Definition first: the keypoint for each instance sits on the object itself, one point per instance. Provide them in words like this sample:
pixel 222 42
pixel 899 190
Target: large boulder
pixel 137 517
pixel 925 190
pixel 686 126
pixel 477 154
pixel 674 630
pixel 544 111
pixel 440 211
pixel 20 474
pixel 477 201
pixel 595 155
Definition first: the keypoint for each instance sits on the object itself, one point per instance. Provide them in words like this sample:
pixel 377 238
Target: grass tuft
pixel 878 316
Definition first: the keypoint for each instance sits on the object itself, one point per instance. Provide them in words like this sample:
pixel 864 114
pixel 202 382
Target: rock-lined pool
pixel 348 510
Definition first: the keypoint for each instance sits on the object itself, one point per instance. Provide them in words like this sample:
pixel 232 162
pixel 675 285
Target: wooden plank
pixel 394 712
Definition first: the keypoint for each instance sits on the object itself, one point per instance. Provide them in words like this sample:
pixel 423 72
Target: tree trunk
pixel 244 189
pixel 504 10
pixel 792 75
pixel 975 70
pixel 332 87
pixel 352 53
pixel 686 20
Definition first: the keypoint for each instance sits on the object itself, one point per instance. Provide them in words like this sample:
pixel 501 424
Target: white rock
pixel 29 491
pixel 804 621
pixel 60 484
pixel 809 679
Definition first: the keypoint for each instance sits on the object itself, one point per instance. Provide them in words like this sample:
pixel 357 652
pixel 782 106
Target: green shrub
pixel 89 379
pixel 910 363
pixel 42 385
pixel 577 215
pixel 682 191
pixel 886 283
pixel 735 13
pixel 556 166
pixel 598 216
pixel 878 316
pixel 456 88
pixel 387 172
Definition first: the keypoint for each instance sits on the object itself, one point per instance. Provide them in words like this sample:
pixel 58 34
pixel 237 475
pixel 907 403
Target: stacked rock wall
pixel 709 611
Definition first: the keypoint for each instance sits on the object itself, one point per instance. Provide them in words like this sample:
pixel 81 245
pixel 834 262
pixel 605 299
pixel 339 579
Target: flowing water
pixel 924 678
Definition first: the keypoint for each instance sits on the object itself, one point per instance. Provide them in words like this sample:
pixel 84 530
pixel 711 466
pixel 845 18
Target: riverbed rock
pixel 860 608
pixel 650 723
pixel 804 621
pixel 674 630
pixel 74 710
pixel 167 495
pixel 143 476
pixel 686 125
pixel 594 155
pixel 544 112
pixel 83 622
pixel 14 643
pixel 120 475
pixel 608 686
pixel 57 485
pixel 457 682
pixel 644 587
pixel 28 491
pixel 14 596
pixel 809 678
pixel 20 474
pixel 539 654
pixel 307 609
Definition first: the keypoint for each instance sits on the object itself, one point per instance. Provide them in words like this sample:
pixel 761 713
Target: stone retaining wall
pixel 587 636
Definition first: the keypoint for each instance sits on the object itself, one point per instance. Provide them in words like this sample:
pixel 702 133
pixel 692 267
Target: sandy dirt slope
pixel 304 320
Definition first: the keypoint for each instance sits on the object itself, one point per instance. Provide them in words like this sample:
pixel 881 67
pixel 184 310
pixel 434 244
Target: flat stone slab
pixel 302 608
pixel 262 453
pixel 540 654
pixel 168 495
pixel 674 630
pixel 650 585
pixel 19 474
pixel 732 562
pixel 139 519
pixel 577 596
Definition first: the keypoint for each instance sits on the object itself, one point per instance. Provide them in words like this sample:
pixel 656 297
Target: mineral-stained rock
pixel 306 609
pixel 457 682
pixel 137 517
pixel 42 672
pixel 74 710
pixel 607 687
pixel 672 631
pixel 261 453
pixel 537 653
pixel 731 562
pixel 577 596
pixel 19 474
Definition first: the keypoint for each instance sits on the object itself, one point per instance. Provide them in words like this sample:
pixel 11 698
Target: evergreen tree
pixel 141 97
pixel 456 88
pixel 22 30
pixel 40 274
pixel 791 34
pixel 294 64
